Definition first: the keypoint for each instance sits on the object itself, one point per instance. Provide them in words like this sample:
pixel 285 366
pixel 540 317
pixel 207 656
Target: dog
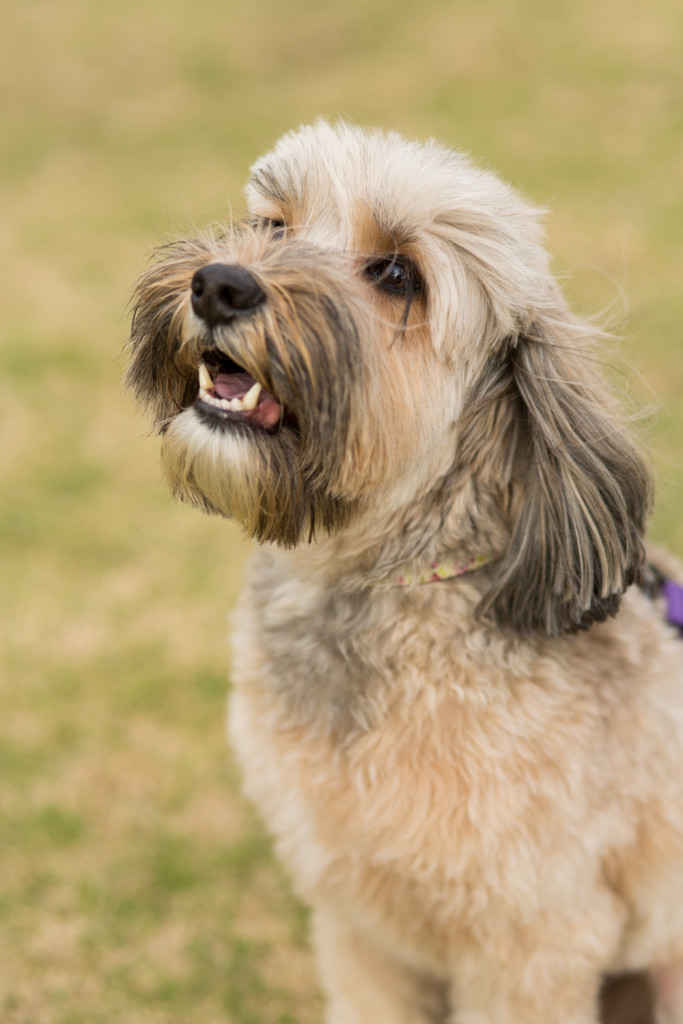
pixel 457 704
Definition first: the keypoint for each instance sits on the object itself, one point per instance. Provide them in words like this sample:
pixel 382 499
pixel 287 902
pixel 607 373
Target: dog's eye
pixel 272 224
pixel 277 227
pixel 395 275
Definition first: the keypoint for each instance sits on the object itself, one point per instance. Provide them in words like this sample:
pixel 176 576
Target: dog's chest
pixel 429 826
pixel 386 758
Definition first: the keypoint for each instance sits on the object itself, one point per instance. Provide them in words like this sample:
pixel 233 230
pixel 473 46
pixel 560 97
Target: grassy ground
pixel 135 885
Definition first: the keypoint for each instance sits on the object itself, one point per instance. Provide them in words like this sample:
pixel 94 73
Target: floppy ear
pixel 579 491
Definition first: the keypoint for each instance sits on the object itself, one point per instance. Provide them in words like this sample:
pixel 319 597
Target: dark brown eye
pixel 277 227
pixel 395 275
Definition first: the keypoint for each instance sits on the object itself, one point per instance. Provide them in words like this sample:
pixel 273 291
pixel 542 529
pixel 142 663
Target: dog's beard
pixel 249 475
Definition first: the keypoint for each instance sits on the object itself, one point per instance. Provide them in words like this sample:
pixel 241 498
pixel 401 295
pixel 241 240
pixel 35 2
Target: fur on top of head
pixel 421 377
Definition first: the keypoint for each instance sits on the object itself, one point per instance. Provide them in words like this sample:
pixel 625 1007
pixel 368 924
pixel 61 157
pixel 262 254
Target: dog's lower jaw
pixel 251 476
pixel 276 486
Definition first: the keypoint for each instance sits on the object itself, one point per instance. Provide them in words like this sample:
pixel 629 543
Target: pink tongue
pixel 235 385
pixel 232 385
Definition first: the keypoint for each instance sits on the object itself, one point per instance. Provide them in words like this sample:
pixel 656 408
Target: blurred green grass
pixel 135 884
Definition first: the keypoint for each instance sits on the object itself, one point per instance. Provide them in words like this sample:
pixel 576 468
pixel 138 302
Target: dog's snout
pixel 221 291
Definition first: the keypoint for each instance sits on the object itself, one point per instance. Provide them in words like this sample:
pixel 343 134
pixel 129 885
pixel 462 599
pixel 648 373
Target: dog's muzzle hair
pixel 294 397
pixel 272 315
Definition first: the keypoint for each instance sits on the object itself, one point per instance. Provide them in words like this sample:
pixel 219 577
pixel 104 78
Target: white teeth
pixel 247 403
pixel 205 381
pixel 250 400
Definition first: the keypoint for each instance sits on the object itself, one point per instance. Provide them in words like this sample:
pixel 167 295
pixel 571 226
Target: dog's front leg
pixel 365 984
pixel 551 988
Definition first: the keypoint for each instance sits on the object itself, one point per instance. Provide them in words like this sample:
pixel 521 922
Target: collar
pixel 673 595
pixel 438 571
pixel 660 588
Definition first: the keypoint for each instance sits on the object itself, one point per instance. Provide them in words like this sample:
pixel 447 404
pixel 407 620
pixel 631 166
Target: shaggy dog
pixel 459 717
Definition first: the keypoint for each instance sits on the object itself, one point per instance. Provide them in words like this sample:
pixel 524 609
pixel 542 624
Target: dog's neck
pixel 394 556
pixel 396 544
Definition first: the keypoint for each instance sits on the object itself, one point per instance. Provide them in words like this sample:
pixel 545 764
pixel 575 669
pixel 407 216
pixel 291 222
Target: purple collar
pixel 673 595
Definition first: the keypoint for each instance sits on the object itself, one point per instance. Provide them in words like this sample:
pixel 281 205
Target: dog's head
pixel 382 340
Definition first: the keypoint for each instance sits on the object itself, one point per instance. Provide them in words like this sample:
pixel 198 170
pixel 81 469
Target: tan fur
pixel 480 796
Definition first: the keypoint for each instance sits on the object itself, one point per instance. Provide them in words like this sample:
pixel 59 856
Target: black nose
pixel 221 292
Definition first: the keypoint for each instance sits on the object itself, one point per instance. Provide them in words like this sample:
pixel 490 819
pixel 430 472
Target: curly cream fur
pixel 480 796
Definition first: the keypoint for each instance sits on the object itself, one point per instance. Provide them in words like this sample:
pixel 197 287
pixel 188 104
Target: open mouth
pixel 227 392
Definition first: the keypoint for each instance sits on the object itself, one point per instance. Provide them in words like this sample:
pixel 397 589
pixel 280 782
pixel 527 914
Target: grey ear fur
pixel 578 491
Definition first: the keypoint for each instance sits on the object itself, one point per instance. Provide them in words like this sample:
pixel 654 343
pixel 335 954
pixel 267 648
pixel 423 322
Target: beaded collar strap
pixel 655 583
pixel 438 571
